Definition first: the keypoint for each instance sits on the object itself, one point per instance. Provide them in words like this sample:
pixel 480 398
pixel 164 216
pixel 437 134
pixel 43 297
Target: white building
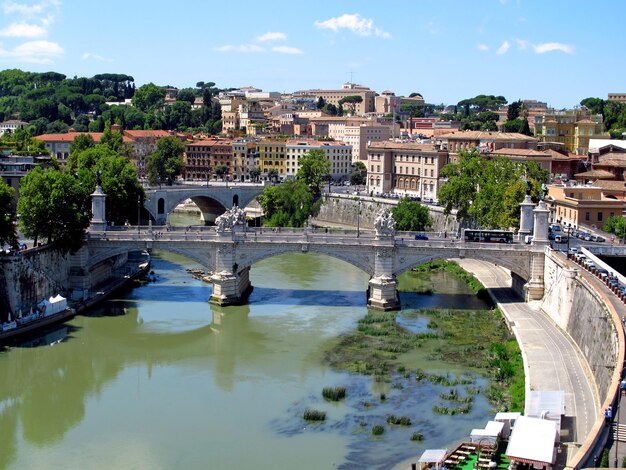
pixel 11 126
pixel 338 153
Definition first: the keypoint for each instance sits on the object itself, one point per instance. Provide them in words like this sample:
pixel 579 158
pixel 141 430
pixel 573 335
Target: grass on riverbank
pixel 456 270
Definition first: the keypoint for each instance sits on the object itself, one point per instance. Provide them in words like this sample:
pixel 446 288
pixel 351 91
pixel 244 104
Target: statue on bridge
pixel 230 218
pixel 384 224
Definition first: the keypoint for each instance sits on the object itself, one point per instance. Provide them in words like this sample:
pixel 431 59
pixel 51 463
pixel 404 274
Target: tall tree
pixel 54 205
pixel 314 169
pixel 410 216
pixel 166 162
pixel 288 205
pixel 7 216
pixel 149 97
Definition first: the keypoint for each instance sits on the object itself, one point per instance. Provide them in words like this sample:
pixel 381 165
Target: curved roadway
pixel 552 361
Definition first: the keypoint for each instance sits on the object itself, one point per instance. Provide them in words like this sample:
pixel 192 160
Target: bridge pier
pixel 383 293
pixel 229 288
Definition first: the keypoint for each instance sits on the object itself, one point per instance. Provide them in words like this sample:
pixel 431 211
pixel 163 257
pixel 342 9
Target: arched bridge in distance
pixel 230 255
pixel 212 199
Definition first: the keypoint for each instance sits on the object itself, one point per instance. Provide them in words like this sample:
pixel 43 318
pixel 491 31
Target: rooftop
pixel 486 135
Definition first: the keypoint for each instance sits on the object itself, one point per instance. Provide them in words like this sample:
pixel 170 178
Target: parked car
pixel 420 236
pixel 602 273
pixel 600 239
pixel 560 238
pixel 573 251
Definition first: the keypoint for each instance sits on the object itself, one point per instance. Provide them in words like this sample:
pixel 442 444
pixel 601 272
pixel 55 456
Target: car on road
pixel 560 238
pixel 421 236
pixel 573 251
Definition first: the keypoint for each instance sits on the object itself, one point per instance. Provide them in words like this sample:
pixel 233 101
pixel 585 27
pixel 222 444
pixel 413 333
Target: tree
pixel 513 110
pixel 80 143
pixel 149 97
pixel 166 162
pixel 414 94
pixel 288 205
pixel 411 216
pixel 314 168
pixel 359 173
pixel 616 224
pixel 119 180
pixel 489 190
pixel 7 215
pixel 321 102
pixel 54 205
pixel 186 94
pixel 221 170
pixel 255 172
pixel 351 101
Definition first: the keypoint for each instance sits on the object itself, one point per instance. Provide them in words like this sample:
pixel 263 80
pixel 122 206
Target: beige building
pixel 407 169
pixel 572 127
pixel 272 156
pixel 621 97
pixel 578 206
pixel 486 141
pixel 245 157
pixel 367 95
pixel 339 154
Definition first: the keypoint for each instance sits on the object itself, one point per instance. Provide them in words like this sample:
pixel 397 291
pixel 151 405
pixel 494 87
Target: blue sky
pixel 550 50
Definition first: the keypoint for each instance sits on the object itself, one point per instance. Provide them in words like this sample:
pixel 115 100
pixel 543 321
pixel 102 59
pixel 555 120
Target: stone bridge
pixel 230 255
pixel 212 200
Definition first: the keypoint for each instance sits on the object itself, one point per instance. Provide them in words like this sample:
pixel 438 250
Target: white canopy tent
pixel 508 418
pixel 489 435
pixel 532 441
pixel 547 404
pixel 53 305
pixel 433 457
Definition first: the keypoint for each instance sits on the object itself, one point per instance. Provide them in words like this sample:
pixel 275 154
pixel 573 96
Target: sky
pixel 555 51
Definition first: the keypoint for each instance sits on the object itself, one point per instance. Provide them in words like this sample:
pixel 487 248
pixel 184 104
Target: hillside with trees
pixel 613 113
pixel 53 103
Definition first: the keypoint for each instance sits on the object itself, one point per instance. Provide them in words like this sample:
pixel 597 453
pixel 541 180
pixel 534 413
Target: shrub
pixel 417 436
pixel 399 420
pixel 314 415
pixel 334 393
pixel 378 430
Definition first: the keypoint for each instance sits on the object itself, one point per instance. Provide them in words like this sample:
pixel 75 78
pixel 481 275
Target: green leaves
pixel 314 169
pixel 288 205
pixel 7 215
pixel 166 163
pixel 489 190
pixel 411 216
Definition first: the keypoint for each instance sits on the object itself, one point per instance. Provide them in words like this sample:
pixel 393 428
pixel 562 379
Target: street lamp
pixel 138 211
pixel 358 218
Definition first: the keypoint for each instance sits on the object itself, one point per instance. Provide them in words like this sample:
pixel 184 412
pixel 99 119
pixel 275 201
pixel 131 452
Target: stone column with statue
pixel 383 286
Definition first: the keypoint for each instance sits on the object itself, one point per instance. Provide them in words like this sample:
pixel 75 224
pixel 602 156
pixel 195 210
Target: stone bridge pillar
pixel 526 218
pixel 383 286
pixel 536 284
pixel 231 286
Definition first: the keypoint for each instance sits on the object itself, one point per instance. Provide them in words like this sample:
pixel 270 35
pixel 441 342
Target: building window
pixel 587 216
pixel 599 216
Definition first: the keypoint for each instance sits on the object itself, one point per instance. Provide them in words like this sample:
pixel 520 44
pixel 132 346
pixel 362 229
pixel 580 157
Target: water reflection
pixel 160 358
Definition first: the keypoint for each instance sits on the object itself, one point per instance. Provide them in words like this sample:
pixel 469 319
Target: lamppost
pixel 138 211
pixel 358 218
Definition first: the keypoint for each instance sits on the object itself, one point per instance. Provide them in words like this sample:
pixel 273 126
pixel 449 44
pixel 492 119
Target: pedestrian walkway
pixel 552 360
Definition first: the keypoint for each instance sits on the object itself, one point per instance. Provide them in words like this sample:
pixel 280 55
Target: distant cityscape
pixel 402 141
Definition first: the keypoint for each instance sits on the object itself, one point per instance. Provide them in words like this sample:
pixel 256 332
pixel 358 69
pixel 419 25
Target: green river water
pixel 156 378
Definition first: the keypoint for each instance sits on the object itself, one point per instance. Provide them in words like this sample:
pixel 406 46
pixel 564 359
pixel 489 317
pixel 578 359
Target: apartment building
pixel 367 105
pixel 339 154
pixel 486 141
pixel 272 156
pixel 578 205
pixel 358 136
pixel 572 127
pixel 203 156
pixel 245 157
pixel 404 168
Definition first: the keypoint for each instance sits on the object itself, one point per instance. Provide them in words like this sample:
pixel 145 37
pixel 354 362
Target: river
pixel 157 378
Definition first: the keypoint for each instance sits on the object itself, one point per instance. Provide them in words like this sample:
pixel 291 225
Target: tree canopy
pixel 358 174
pixel 288 204
pixel 489 190
pixel 314 170
pixel 411 216
pixel 7 216
pixel 613 114
pixel 53 205
pixel 166 162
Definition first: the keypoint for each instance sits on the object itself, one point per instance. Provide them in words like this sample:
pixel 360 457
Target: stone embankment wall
pixel 29 277
pixel 580 311
pixel 344 210
pixel 590 319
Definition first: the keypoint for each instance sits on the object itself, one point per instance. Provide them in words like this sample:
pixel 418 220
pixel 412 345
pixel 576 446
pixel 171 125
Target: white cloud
pixel 240 48
pixel 552 47
pixel 287 50
pixel 35 52
pixel 503 48
pixel 482 47
pixel 271 36
pixel 355 23
pixel 89 55
pixel 23 30
pixel 35 9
